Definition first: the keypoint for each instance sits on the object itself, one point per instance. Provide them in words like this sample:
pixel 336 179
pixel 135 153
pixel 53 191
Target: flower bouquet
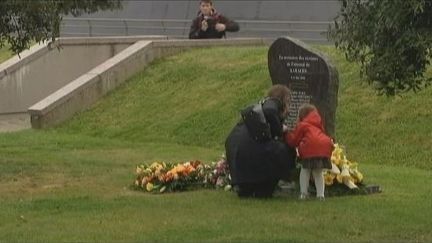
pixel 159 177
pixel 344 174
pixel 219 176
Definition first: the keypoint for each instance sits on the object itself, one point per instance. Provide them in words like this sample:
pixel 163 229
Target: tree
pixel 25 21
pixel 391 39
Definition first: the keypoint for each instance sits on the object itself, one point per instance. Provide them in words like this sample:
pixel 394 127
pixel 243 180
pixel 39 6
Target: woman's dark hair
pixel 304 110
pixel 280 92
pixel 206 1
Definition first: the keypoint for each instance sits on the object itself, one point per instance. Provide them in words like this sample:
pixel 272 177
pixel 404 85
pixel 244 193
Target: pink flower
pixel 220 182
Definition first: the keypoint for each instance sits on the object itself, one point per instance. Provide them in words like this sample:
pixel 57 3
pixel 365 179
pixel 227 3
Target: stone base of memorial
pixel 342 190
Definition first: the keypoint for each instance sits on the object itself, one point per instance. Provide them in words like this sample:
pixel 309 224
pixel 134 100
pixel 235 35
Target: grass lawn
pixel 5 53
pixel 71 183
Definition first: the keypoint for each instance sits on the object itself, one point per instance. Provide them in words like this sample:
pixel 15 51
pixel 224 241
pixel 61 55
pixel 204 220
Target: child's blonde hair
pixel 304 110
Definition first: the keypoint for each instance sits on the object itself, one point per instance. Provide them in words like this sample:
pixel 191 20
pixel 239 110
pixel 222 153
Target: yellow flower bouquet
pixel 343 171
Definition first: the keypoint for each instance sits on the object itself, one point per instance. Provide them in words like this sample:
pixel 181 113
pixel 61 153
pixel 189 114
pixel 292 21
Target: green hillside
pixel 191 99
pixel 71 183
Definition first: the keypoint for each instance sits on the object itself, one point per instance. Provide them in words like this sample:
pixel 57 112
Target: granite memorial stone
pixel 309 75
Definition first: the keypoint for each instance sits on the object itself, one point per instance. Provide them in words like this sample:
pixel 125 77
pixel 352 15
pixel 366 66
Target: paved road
pixel 309 18
pixel 307 10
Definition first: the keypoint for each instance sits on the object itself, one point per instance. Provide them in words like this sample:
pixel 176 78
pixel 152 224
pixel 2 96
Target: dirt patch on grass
pixel 14 122
pixel 27 185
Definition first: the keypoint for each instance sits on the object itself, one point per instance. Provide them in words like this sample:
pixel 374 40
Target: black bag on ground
pixel 256 123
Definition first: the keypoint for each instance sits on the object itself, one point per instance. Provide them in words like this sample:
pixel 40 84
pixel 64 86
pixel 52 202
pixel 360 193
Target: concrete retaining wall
pixel 46 68
pixel 91 86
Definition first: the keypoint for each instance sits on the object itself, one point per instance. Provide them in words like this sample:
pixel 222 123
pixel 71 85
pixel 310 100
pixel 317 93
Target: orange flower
pixel 168 177
pixel 179 169
pixel 195 163
pixel 188 169
pixel 144 181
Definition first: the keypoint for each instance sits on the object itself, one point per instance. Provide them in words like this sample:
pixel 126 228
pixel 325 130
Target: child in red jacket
pixel 314 149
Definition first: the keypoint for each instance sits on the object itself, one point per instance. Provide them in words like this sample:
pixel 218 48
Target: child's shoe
pixel 321 198
pixel 303 196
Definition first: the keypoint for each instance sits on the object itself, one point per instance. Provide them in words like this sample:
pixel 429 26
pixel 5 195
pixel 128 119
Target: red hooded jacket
pixel 309 137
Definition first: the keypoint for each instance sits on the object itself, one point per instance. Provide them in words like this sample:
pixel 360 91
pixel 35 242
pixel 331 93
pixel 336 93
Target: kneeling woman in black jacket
pixel 256 166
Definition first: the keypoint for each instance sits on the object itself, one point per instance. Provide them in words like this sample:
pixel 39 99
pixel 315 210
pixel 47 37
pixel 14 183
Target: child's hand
pixel 333 142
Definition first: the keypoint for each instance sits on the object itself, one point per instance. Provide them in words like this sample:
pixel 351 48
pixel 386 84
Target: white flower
pixel 220 181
